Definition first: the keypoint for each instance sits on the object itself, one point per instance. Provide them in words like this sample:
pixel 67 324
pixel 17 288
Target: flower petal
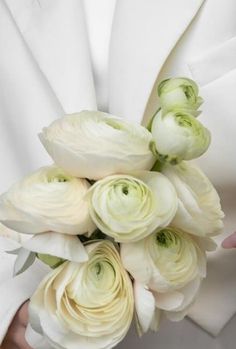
pixel 189 293
pixel 145 307
pixel 169 300
pixel 35 340
pixel 199 210
pixel 65 246
pixel 7 244
pixel 23 261
pixel 155 324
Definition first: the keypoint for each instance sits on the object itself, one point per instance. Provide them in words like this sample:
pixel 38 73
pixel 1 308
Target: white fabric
pixel 46 70
pixel 223 58
pixel 99 17
pixel 56 36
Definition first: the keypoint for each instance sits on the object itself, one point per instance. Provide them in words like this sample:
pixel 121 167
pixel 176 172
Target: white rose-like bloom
pixel 47 200
pixel 88 305
pixel 179 136
pixel 171 264
pixel 93 145
pixel 199 210
pixel 181 93
pixel 128 208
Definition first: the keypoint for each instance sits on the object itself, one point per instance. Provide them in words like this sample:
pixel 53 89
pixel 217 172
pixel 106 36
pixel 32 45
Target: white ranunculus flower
pixel 199 210
pixel 47 200
pixel 179 136
pixel 171 264
pixel 93 145
pixel 181 93
pixel 168 260
pixel 88 305
pixel 128 208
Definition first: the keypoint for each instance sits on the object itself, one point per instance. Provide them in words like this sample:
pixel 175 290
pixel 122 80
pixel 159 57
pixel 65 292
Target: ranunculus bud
pixel 179 93
pixel 179 136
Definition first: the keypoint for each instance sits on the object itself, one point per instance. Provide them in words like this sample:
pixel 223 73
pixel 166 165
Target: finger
pixel 22 314
pixel 230 241
pixel 18 339
pixel 8 345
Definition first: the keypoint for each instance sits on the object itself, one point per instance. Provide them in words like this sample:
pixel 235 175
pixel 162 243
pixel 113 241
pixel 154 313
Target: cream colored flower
pixel 93 145
pixel 47 200
pixel 168 267
pixel 128 208
pixel 181 93
pixel 87 305
pixel 179 136
pixel 199 210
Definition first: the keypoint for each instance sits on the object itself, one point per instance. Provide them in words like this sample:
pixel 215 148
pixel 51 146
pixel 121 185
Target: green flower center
pixel 164 238
pixel 189 93
pixel 125 190
pixel 98 268
pixel 57 178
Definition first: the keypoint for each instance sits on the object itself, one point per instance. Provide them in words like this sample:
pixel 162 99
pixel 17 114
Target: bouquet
pixel 122 218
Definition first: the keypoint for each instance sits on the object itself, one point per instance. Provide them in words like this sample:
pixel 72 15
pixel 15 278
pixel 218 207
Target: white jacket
pixel 46 71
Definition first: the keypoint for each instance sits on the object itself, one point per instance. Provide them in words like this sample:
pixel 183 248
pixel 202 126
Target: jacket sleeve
pixel 14 291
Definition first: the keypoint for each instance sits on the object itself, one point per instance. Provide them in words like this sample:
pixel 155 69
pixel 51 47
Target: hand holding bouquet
pixel 121 217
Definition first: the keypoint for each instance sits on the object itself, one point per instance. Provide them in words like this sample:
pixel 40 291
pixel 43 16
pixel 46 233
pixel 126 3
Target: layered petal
pixel 179 136
pixel 179 93
pixel 47 200
pixel 167 266
pixel 128 208
pixel 168 260
pixel 93 145
pixel 199 210
pixel 85 305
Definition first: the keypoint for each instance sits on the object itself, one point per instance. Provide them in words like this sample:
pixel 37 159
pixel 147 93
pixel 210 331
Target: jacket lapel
pixel 42 77
pixel 56 34
pixel 27 103
pixel 144 34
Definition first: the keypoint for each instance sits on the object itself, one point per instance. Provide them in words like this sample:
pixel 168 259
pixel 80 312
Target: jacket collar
pixel 144 34
pixel 55 33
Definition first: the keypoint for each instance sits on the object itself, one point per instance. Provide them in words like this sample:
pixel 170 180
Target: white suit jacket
pixel 45 72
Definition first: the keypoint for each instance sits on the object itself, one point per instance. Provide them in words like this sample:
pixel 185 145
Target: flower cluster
pixel 121 217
